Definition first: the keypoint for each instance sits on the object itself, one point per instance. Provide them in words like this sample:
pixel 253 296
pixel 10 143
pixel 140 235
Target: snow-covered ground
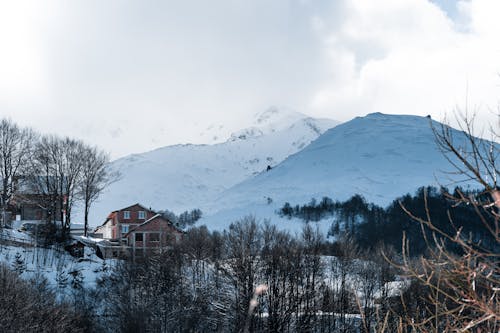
pixel 15 235
pixel 57 265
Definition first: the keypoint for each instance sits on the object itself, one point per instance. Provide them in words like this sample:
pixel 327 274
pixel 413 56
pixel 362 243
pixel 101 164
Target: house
pixel 30 206
pixel 33 202
pixel 120 222
pixel 154 234
pixel 135 231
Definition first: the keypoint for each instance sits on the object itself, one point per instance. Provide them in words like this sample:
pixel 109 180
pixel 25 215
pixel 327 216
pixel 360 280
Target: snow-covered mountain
pixel 272 120
pixel 378 156
pixel 189 176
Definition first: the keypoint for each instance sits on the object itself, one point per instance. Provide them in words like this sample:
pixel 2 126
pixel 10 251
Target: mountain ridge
pixel 187 176
pixel 379 156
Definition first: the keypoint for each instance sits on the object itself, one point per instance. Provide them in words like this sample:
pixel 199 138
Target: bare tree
pixel 15 151
pixel 70 167
pixel 30 306
pixel 43 178
pixel 473 159
pixel 56 172
pixel 460 289
pixel 243 245
pixel 282 261
pixel 95 177
pixel 312 271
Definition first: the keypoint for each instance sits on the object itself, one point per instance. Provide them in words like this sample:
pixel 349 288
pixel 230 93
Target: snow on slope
pixel 188 176
pixel 51 262
pixel 378 156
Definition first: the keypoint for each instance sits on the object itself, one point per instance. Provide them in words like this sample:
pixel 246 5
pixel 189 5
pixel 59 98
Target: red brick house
pixel 137 230
pixel 154 234
pixel 120 222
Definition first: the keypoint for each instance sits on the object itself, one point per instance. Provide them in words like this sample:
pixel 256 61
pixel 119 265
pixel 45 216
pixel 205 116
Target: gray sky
pixel 135 75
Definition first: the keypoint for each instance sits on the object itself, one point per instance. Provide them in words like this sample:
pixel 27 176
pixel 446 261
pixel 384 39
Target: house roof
pixel 113 213
pixel 103 224
pixel 136 204
pixel 110 217
pixel 152 219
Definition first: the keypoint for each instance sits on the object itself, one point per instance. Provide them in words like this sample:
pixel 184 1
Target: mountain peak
pixel 276 114
pixel 277 119
pixel 399 117
pixel 271 120
pixel 376 115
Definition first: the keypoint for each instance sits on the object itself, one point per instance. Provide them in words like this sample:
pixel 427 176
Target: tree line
pixel 370 225
pixel 185 219
pixel 252 277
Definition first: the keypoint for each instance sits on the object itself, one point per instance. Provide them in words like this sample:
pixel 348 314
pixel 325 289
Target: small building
pixel 30 207
pixel 136 231
pixel 31 201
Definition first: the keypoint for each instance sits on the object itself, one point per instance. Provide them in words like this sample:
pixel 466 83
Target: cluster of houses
pixel 133 231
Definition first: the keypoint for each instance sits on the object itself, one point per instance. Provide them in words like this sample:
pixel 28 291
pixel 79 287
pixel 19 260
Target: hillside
pixel 188 176
pixel 378 156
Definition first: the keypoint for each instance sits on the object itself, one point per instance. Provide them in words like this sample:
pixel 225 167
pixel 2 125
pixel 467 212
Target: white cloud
pixel 132 76
pixel 21 71
pixel 409 57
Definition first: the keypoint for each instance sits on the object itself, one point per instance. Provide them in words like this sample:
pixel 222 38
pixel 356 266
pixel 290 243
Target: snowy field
pixel 19 251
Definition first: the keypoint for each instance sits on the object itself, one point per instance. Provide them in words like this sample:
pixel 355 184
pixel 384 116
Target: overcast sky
pixel 135 75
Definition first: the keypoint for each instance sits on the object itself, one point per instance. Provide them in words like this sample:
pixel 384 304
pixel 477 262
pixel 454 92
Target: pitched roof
pixel 152 219
pixel 136 204
pixel 111 215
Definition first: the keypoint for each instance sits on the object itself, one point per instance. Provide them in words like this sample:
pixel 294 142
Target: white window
pixel 142 215
pixel 126 215
pixel 124 229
